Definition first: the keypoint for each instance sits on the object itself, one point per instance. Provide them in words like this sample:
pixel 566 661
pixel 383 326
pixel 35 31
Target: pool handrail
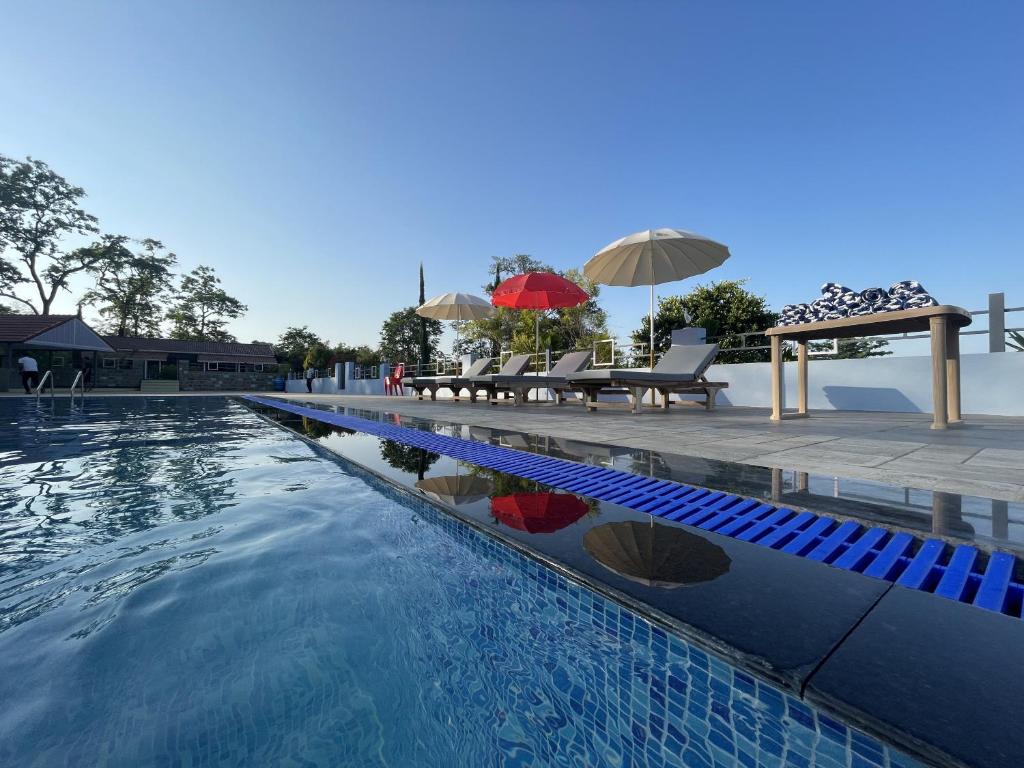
pixel 48 376
pixel 79 380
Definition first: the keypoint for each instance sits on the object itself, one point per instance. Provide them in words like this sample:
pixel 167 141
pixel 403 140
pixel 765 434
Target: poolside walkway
pixel 983 457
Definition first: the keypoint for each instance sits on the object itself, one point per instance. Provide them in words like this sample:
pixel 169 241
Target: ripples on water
pixel 182 584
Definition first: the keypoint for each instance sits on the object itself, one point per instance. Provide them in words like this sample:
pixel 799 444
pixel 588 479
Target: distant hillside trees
pixel 300 348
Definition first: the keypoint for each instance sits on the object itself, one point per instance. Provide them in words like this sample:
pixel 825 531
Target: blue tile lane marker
pixel 875 552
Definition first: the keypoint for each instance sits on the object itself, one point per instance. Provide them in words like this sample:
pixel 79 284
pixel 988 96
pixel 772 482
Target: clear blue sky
pixel 315 153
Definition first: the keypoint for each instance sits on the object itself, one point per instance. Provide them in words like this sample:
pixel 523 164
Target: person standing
pixel 29 373
pixel 310 375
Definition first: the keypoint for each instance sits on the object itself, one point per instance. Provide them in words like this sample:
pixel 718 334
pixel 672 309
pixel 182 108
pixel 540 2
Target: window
pixel 251 367
pixel 60 360
pixel 221 366
pixel 109 362
pixel 125 364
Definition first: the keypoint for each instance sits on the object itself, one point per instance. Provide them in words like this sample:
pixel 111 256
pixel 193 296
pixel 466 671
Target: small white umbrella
pixel 652 257
pixel 457 307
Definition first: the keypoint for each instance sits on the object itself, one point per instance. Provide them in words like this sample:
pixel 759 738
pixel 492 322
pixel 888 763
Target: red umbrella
pixel 538 512
pixel 539 291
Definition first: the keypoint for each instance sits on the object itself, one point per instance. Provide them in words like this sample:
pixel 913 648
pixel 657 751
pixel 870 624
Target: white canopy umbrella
pixel 652 257
pixel 457 307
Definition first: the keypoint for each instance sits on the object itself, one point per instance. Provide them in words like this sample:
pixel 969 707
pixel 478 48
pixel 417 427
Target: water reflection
pixel 407 458
pixel 316 429
pixel 656 555
pixel 75 478
pixel 456 489
pixel 538 512
pixel 986 522
pixel 99 501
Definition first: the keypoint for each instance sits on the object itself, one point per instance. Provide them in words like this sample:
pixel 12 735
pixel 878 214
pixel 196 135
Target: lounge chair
pixel 680 371
pixel 555 379
pixel 456 384
pixel 514 366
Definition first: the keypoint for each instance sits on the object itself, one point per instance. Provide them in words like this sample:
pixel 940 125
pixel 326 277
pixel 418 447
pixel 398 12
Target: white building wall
pixel 342 382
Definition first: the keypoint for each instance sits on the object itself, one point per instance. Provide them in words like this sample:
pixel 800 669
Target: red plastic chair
pixel 393 382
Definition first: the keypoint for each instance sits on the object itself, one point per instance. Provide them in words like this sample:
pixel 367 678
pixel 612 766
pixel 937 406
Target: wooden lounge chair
pixel 514 366
pixel 456 384
pixel 518 386
pixel 680 371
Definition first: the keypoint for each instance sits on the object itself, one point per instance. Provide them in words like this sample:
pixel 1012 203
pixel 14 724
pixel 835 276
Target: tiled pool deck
pixel 983 457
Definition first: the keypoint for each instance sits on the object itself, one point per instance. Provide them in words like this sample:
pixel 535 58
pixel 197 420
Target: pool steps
pixel 962 575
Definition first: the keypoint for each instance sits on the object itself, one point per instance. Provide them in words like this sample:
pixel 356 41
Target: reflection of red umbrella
pixel 539 291
pixel 538 512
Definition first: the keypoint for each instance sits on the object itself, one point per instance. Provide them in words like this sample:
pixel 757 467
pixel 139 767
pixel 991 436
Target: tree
pixel 407 458
pixel 561 330
pixel 318 356
pixel 505 326
pixel 294 344
pixel 399 336
pixel 724 309
pixel 424 356
pixel 202 308
pixel 578 327
pixel 38 208
pixel 361 355
pixel 131 287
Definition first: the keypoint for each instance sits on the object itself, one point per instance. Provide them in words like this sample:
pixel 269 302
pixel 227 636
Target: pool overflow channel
pixel 963 574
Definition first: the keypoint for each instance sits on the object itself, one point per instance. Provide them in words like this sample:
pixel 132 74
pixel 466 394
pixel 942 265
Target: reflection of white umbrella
pixel 656 555
pixel 454 490
pixel 652 257
pixel 456 306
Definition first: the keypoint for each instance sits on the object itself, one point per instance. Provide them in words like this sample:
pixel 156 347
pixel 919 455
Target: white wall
pixel 990 383
pixel 342 382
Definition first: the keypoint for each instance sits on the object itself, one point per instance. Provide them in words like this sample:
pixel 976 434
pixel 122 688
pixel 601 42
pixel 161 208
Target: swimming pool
pixel 182 583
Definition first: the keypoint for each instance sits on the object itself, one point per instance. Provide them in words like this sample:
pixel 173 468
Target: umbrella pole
pixel 536 346
pixel 652 326
pixel 652 322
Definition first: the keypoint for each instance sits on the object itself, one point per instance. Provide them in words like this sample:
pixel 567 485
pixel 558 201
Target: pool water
pixel 182 583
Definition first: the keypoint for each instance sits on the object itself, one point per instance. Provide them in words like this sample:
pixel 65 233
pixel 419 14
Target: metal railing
pixel 605 353
pixel 365 372
pixel 80 383
pixel 47 377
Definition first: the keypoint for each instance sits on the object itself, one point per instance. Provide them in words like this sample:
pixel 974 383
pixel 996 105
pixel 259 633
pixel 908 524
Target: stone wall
pixel 206 381
pixel 118 377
